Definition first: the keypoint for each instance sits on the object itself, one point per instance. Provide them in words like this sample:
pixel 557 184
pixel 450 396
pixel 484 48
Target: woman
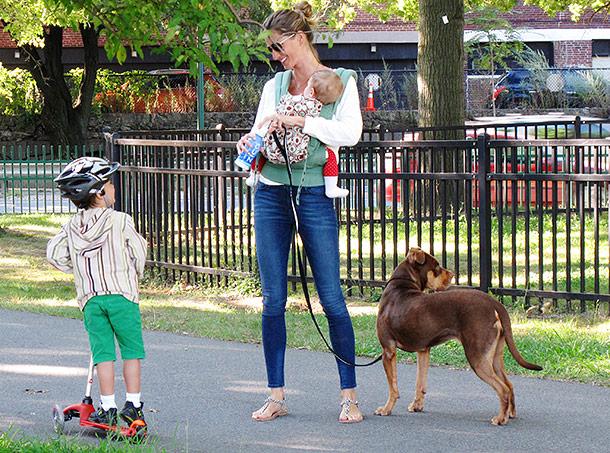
pixel 291 43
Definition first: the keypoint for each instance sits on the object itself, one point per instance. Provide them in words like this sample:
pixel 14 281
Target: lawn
pixel 568 347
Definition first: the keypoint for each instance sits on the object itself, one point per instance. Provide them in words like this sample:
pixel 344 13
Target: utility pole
pixel 200 96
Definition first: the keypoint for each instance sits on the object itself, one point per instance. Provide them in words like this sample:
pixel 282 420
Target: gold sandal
pixel 346 405
pixel 283 410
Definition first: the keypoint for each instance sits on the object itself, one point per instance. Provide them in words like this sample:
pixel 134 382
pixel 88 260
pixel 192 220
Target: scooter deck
pixel 83 411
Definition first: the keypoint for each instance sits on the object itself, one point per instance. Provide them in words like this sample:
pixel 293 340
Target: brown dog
pixel 414 321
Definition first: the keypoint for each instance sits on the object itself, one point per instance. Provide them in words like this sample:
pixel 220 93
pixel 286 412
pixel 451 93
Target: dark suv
pixel 544 88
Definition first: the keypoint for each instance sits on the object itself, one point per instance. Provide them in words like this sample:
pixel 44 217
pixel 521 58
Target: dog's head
pixel 424 271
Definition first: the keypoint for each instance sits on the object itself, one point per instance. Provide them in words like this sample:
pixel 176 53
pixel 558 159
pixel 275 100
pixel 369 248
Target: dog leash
pixel 301 259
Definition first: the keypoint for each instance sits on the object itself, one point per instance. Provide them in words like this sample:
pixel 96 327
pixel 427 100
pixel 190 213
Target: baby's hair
pixel 327 85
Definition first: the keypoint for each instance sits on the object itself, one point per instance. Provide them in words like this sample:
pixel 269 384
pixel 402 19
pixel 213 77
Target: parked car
pixel 520 87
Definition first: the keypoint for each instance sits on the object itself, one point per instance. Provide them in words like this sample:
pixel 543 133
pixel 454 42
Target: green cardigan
pixel 307 173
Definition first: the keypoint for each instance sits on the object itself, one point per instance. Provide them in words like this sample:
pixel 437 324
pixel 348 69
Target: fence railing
pixel 518 217
pixel 27 170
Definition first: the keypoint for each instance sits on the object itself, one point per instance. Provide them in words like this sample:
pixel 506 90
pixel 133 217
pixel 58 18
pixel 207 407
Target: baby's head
pixel 324 85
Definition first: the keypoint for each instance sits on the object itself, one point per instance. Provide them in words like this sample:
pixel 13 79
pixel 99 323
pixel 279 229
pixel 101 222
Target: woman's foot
pixel 350 412
pixel 274 407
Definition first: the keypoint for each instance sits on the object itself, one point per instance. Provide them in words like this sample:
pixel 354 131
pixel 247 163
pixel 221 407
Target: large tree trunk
pixel 440 82
pixel 440 63
pixel 65 120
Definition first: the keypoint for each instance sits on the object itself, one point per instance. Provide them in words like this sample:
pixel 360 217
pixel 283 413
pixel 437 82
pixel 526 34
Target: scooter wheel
pixel 59 420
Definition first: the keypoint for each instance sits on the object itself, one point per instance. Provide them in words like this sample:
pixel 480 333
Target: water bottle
pixel 245 158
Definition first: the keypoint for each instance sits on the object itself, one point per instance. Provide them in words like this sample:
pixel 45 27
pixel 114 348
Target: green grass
pixel 13 442
pixel 568 347
pixel 374 250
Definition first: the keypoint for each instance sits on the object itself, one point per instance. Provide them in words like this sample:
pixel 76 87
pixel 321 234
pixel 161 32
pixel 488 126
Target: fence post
pixel 484 212
pixel 113 154
pixel 577 124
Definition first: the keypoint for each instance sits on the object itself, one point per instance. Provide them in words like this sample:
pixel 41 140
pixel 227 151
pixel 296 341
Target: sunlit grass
pixel 568 347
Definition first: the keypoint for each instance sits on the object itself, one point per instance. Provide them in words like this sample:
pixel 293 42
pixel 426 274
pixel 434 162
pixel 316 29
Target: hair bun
pixel 305 9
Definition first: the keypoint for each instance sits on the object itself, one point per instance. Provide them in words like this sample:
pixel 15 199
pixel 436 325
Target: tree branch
pixel 238 18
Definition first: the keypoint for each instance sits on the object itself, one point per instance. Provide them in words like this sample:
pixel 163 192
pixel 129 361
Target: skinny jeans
pixel 274 225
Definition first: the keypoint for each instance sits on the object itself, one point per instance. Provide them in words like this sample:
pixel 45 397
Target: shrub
pixel 18 93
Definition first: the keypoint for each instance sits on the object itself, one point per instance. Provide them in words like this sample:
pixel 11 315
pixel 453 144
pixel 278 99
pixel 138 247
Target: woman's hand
pixel 244 141
pixel 290 121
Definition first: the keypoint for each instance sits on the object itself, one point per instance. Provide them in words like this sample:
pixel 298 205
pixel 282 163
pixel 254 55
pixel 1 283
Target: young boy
pixel 323 87
pixel 103 250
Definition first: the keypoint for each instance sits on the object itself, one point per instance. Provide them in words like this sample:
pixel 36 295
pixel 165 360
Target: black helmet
pixel 83 177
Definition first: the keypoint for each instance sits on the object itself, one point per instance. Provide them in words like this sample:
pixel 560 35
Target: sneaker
pixel 103 417
pixel 130 413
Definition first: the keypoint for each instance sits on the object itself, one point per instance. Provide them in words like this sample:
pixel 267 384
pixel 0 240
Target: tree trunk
pixel 65 120
pixel 440 82
pixel 440 63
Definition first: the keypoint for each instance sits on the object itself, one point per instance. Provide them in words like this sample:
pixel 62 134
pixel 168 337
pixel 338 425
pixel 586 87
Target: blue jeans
pixel 274 225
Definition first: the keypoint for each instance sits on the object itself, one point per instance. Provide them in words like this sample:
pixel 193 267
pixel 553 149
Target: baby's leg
pixel 255 169
pixel 331 176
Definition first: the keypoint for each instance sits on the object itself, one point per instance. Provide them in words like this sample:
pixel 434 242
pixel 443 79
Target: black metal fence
pixel 519 217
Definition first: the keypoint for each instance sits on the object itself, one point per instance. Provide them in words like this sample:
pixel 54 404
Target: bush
pixel 18 93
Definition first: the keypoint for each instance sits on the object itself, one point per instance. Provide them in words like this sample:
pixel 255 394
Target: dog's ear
pixel 416 255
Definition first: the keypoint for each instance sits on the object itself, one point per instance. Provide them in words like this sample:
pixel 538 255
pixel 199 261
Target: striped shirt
pixel 103 250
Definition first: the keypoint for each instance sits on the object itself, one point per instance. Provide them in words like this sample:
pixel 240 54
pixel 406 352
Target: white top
pixel 103 250
pixel 343 129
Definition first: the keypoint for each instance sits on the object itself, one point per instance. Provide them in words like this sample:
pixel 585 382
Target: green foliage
pixel 596 89
pixel 495 40
pixel 244 90
pixel 191 31
pixel 14 442
pixel 18 93
pixel 388 93
pixel 576 7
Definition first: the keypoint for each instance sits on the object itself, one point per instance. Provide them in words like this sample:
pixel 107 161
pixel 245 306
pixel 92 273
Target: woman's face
pixel 285 47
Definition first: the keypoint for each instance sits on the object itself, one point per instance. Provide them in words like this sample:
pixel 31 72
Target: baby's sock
pixel 134 398
pixel 107 401
pixel 332 190
pixel 252 179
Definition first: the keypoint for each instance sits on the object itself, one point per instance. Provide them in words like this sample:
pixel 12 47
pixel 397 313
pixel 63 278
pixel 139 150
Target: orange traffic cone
pixel 370 102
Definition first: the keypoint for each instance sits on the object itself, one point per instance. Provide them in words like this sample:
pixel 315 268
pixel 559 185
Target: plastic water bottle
pixel 245 158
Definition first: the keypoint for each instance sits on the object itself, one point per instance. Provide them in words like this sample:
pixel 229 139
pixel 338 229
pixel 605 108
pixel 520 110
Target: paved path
pixel 201 393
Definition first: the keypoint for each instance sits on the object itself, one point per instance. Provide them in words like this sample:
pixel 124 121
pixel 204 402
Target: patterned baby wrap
pixel 296 141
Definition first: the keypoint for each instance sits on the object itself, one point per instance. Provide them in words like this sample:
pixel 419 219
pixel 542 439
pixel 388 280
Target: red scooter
pixel 85 409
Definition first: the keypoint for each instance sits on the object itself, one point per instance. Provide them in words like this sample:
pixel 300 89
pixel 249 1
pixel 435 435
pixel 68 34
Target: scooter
pixel 85 409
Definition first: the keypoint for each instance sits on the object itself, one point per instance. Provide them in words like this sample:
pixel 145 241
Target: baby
pixel 323 87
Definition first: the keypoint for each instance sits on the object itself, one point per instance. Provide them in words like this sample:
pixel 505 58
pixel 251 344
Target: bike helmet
pixel 84 177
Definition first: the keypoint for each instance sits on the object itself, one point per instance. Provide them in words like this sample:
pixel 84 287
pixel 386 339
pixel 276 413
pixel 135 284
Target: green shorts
pixel 109 316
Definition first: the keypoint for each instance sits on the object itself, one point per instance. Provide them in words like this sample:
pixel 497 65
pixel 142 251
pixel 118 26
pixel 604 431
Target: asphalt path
pixel 199 395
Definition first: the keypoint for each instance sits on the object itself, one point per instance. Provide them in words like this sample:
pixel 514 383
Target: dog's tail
pixel 508 335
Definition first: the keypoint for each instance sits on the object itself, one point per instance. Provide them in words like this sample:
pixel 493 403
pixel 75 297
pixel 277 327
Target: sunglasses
pixel 277 46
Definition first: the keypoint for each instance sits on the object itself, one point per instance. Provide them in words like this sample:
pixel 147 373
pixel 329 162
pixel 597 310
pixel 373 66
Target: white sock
pixel 332 190
pixel 252 179
pixel 107 401
pixel 134 398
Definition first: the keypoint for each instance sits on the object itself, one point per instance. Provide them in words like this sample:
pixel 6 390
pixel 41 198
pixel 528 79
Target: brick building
pixel 366 42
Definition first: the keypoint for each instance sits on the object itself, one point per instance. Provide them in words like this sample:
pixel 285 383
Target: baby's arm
pixel 58 252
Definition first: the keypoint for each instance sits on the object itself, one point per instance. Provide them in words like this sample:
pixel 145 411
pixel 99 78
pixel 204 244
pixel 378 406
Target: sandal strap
pixel 346 404
pixel 269 400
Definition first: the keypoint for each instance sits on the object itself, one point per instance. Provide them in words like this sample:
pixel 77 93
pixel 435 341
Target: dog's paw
pixel 416 406
pixel 498 421
pixel 382 411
